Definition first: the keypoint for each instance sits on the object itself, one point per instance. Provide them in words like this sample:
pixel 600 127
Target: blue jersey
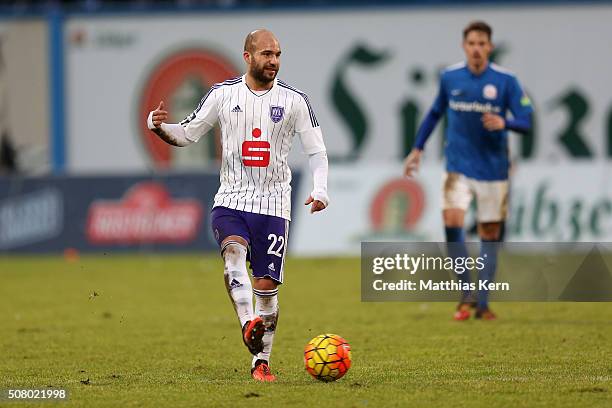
pixel 464 97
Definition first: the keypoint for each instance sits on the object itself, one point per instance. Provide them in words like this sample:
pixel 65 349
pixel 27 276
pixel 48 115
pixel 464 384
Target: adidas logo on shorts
pixel 271 267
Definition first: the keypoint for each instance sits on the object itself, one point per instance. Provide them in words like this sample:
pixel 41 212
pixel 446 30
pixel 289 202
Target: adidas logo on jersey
pixel 271 267
pixel 237 109
pixel 235 284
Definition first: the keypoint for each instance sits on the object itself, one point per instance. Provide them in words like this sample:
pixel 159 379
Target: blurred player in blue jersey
pixel 476 96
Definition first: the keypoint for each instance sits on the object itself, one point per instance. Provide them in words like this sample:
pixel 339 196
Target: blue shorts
pixel 265 234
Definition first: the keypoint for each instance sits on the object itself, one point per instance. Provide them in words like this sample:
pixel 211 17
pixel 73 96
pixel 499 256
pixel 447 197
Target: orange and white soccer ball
pixel 327 357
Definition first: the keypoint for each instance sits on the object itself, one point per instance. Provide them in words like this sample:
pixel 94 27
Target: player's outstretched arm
pixel 413 160
pixel 173 134
pixel 319 168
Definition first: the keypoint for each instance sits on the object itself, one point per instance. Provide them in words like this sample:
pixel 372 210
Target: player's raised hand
pixel 159 115
pixel 493 122
pixel 316 204
pixel 412 162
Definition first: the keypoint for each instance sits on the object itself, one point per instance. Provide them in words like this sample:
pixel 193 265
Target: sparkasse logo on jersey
pixel 181 79
pixel 146 214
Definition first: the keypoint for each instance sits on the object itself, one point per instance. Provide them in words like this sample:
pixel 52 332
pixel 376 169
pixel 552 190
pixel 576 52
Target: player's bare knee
pixel 265 284
pixel 453 217
pixel 489 231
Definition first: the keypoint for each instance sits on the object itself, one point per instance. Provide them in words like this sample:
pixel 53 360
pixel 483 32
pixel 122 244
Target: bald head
pixel 256 37
pixel 262 56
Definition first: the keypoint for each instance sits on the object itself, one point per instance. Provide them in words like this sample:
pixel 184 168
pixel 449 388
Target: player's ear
pixel 247 57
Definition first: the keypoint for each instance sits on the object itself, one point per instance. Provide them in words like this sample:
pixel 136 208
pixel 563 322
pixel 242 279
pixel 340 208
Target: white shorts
pixel 491 196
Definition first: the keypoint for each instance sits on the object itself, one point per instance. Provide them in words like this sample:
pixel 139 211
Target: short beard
pixel 258 75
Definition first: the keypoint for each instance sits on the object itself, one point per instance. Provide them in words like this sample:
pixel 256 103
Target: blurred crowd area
pixel 21 6
pixel 96 5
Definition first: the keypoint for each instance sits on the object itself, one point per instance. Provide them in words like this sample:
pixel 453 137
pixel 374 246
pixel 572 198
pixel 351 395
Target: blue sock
pixel 455 236
pixel 488 251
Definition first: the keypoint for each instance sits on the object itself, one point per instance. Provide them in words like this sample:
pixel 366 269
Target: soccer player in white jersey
pixel 259 115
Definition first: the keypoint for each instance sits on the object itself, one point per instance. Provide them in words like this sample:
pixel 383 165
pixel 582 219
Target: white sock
pixel 237 280
pixel 266 306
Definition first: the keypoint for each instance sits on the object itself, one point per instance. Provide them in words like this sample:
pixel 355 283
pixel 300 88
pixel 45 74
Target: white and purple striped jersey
pixel 257 130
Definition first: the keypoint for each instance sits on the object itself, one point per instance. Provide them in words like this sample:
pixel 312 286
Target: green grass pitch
pixel 145 331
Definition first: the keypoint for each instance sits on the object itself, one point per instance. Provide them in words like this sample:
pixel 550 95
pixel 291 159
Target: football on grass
pixel 327 357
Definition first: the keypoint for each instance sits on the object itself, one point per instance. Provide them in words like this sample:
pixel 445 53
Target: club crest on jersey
pixel 489 91
pixel 276 113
